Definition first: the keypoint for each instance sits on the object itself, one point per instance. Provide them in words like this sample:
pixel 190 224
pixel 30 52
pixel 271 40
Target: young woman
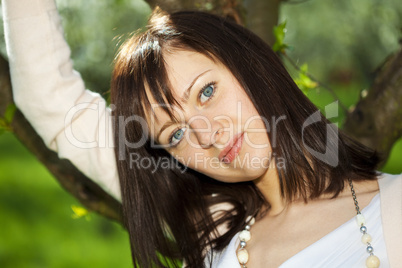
pixel 222 161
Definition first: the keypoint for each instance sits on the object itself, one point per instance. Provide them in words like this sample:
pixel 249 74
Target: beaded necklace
pixel 371 262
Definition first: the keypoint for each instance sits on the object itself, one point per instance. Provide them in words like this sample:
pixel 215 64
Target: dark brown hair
pixel 167 212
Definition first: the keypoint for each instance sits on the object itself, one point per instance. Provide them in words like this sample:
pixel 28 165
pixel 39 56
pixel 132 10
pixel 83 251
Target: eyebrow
pixel 165 126
pixel 186 94
pixel 184 99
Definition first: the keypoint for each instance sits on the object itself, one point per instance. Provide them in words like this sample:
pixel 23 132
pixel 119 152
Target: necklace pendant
pixel 372 262
pixel 242 256
pixel 244 237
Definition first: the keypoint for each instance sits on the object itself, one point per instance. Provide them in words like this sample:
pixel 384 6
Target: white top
pixel 340 248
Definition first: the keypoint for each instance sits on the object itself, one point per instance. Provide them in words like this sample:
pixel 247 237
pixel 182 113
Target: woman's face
pixel 218 131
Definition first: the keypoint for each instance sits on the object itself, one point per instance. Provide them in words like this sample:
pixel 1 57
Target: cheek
pixel 202 162
pixel 255 127
pixel 256 135
pixel 186 157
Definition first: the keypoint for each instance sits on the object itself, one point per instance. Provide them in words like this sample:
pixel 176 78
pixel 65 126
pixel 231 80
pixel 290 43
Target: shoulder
pixel 389 183
pixel 391 205
pixel 390 191
pixel 390 194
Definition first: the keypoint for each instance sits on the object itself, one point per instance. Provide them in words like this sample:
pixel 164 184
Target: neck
pixel 269 186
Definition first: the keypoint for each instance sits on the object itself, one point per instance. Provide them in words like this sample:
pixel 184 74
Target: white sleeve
pixel 71 120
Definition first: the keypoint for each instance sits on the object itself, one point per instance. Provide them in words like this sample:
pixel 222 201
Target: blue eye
pixel 177 136
pixel 207 92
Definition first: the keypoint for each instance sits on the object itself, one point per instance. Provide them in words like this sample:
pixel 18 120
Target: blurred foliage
pixel 80 212
pixel 95 29
pixel 304 82
pixel 7 118
pixel 342 42
pixel 279 33
pixel 36 227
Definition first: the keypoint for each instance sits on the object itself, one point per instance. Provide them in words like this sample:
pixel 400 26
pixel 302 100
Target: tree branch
pixel 329 89
pixel 70 178
pixel 376 120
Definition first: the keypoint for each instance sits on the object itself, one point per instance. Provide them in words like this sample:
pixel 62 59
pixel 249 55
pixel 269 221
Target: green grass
pixel 36 226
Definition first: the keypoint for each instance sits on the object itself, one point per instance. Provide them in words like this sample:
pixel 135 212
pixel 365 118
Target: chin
pixel 240 175
pixel 253 174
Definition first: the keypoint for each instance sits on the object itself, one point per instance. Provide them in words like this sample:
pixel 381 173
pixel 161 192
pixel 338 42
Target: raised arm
pixel 52 96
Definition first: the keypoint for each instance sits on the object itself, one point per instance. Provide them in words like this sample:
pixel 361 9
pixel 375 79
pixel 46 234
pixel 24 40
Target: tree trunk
pixel 262 16
pixel 376 121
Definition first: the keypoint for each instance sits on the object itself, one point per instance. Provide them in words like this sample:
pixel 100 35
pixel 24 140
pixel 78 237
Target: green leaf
pixel 304 82
pixel 9 113
pixel 79 212
pixel 279 33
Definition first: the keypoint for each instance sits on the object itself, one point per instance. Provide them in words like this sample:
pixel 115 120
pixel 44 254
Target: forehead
pixel 183 66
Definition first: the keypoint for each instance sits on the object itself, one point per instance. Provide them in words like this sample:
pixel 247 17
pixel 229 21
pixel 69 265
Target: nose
pixel 206 131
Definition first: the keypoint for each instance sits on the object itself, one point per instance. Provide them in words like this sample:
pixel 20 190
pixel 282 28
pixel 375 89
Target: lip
pixel 232 150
